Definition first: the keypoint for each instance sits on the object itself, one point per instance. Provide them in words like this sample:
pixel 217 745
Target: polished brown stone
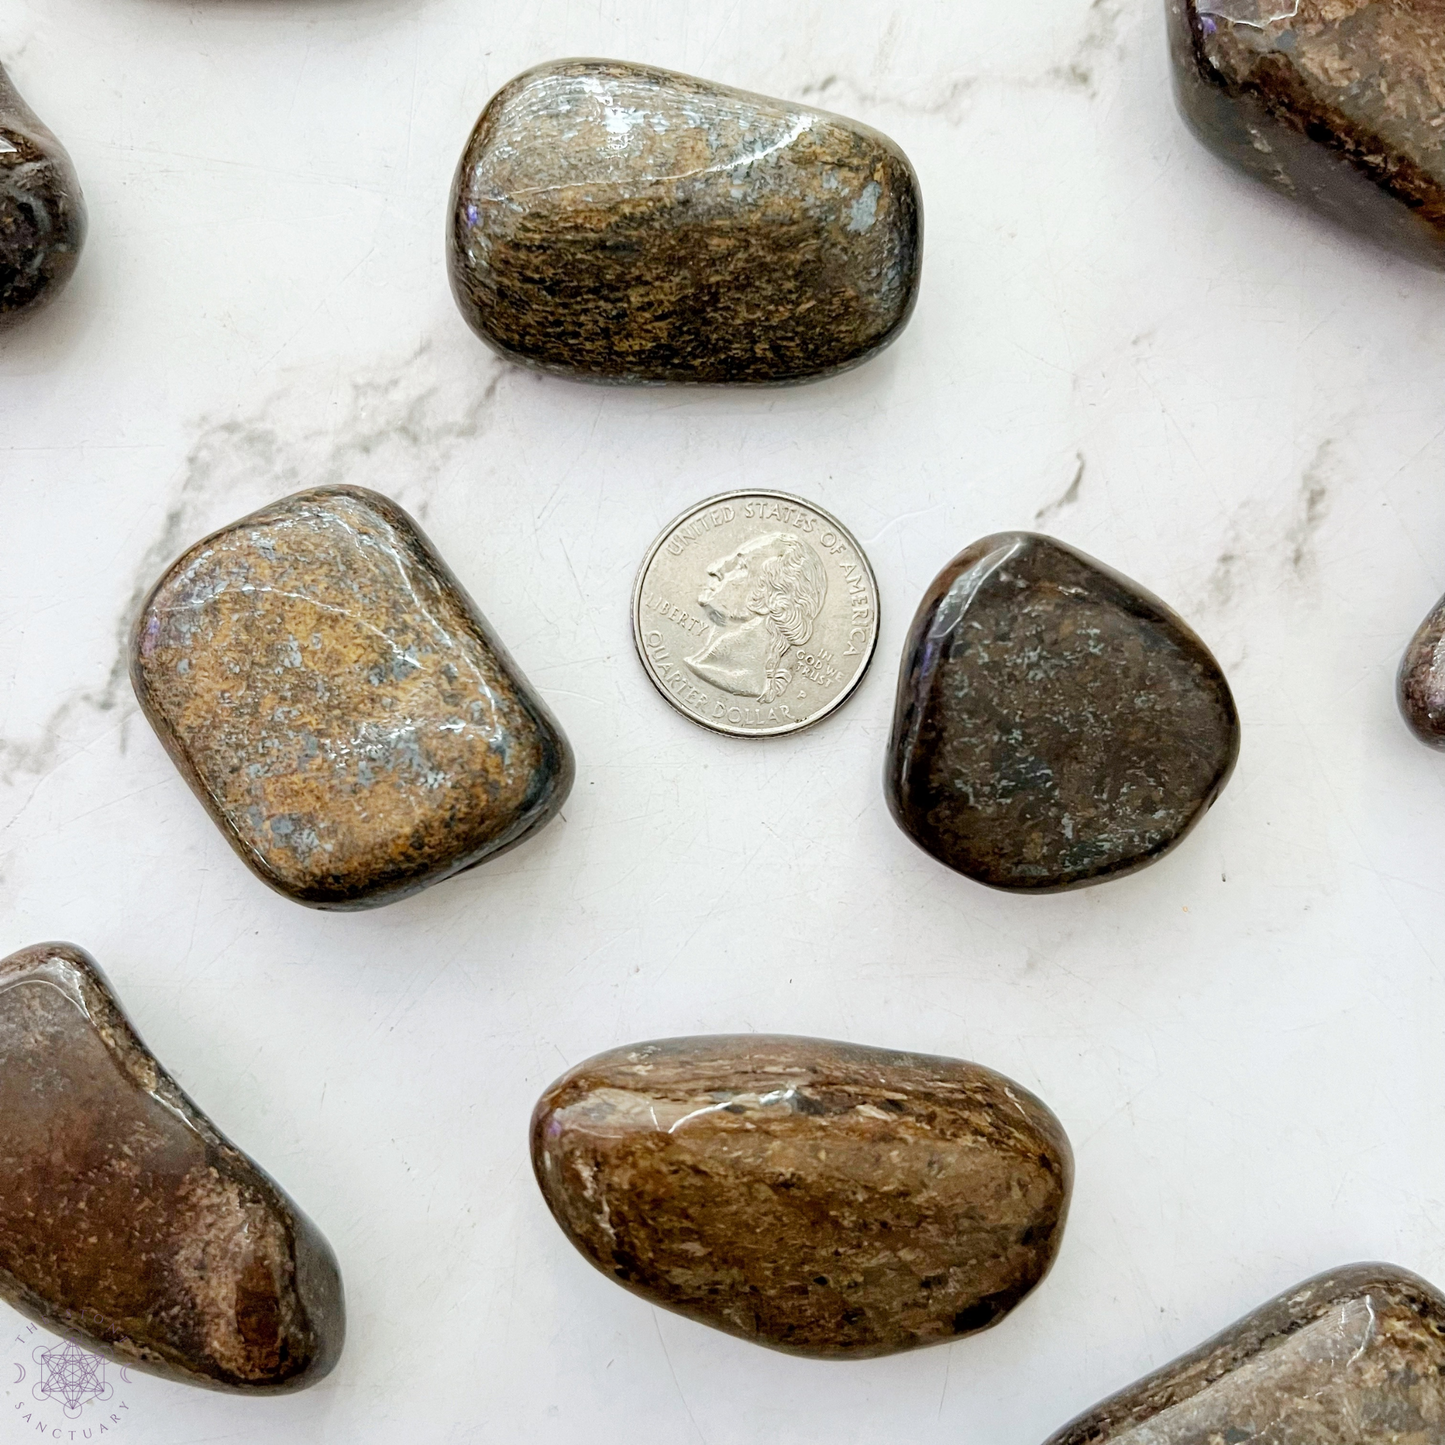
pixel 42 213
pixel 340 706
pixel 1056 724
pixel 819 1198
pixel 127 1222
pixel 1353 1357
pixel 1420 687
pixel 1334 103
pixel 624 223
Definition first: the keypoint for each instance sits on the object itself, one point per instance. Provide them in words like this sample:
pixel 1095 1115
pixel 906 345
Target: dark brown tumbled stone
pixel 1353 1357
pixel 1420 687
pixel 1335 103
pixel 820 1198
pixel 42 213
pixel 1056 724
pixel 623 223
pixel 340 706
pixel 126 1220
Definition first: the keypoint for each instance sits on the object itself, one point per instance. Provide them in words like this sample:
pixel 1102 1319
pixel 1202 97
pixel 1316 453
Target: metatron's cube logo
pixel 49 1385
pixel 70 1377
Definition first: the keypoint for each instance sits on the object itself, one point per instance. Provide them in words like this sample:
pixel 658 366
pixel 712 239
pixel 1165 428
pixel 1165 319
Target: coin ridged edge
pixel 863 666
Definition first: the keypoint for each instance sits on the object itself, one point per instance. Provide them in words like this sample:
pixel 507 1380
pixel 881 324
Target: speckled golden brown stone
pixel 1353 1357
pixel 624 223
pixel 1056 724
pixel 1334 103
pixel 820 1198
pixel 1420 686
pixel 127 1222
pixel 42 212
pixel 340 706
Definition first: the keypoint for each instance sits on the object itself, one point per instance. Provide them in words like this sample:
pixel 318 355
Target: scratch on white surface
pixel 947 1374
pixel 1070 496
pixel 898 521
pixel 657 1325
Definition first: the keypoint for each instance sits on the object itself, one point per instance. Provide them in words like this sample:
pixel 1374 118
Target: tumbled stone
pixel 624 223
pixel 127 1221
pixel 340 706
pixel 820 1198
pixel 1335 103
pixel 1353 1357
pixel 1420 686
pixel 1056 725
pixel 42 213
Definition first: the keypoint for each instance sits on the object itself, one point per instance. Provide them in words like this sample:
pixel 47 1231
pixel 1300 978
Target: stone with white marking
pixel 624 223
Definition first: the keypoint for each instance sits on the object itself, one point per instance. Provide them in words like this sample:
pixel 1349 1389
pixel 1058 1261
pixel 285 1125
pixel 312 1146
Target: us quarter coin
pixel 755 614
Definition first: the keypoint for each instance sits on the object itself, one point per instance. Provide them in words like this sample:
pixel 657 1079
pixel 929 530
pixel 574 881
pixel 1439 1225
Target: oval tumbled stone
pixel 1420 684
pixel 624 223
pixel 127 1222
pixel 42 212
pixel 1056 725
pixel 820 1198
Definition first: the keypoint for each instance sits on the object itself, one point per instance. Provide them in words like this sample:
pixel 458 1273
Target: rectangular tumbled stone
pixel 625 223
pixel 340 706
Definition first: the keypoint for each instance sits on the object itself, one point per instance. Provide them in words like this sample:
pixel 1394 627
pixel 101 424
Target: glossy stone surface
pixel 1056 724
pixel 340 706
pixel 820 1198
pixel 1420 687
pixel 1335 103
pixel 1353 1357
pixel 42 213
pixel 622 223
pixel 126 1220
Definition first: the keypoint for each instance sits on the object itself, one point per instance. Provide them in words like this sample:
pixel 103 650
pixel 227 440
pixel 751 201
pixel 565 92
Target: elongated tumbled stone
pixel 819 1198
pixel 126 1219
pixel 340 706
pixel 1335 103
pixel 42 213
pixel 1420 686
pixel 1056 724
pixel 1353 1357
pixel 624 223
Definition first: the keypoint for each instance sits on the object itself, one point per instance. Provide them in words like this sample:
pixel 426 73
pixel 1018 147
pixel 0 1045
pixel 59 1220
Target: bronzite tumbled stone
pixel 340 706
pixel 1056 724
pixel 1335 103
pixel 1420 686
pixel 1353 1357
pixel 623 223
pixel 127 1222
pixel 42 213
pixel 820 1198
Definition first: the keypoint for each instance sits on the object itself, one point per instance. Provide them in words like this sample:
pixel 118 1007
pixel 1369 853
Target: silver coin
pixel 755 614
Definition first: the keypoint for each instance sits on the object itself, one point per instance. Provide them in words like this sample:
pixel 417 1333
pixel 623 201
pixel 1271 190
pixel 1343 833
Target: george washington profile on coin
pixel 762 600
pixel 755 613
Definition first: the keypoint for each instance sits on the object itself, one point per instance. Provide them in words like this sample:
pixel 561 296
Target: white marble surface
pixel 1243 1042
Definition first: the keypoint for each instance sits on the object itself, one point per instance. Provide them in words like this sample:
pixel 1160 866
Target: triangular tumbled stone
pixel 1056 724
pixel 126 1220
